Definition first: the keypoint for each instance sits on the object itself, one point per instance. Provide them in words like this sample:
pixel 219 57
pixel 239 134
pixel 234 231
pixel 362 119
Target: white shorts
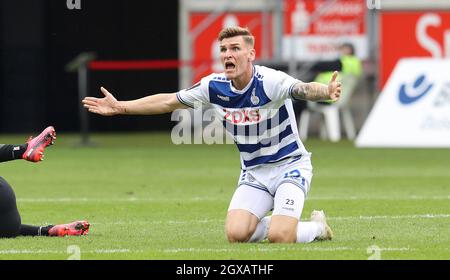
pixel 258 188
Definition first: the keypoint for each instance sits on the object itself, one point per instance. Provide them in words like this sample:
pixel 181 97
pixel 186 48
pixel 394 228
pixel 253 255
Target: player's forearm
pixel 149 105
pixel 311 91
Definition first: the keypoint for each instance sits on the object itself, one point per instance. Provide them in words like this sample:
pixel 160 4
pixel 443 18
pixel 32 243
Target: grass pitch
pixel 149 199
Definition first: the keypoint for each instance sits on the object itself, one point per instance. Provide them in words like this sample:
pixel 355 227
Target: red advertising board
pixel 206 48
pixel 314 28
pixel 343 17
pixel 412 34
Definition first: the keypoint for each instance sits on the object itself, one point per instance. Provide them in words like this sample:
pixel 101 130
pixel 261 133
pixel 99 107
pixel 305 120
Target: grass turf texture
pixel 149 199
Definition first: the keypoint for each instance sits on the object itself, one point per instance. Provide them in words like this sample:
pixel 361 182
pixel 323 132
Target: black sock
pixel 12 152
pixel 27 230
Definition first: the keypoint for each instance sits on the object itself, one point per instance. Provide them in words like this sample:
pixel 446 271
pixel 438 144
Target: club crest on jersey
pixel 254 99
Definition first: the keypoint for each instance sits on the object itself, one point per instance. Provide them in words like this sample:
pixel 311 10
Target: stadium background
pixel 40 37
pixel 36 49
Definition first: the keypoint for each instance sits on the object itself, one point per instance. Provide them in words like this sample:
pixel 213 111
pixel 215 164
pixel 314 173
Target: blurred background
pixel 54 52
pixel 39 38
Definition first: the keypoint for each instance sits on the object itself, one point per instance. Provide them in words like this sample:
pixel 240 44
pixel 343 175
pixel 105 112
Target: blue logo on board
pixel 410 93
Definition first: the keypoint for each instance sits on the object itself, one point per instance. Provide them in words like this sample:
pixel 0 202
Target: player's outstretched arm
pixel 318 92
pixel 149 105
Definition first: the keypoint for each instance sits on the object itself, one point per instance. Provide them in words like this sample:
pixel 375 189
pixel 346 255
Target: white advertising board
pixel 413 110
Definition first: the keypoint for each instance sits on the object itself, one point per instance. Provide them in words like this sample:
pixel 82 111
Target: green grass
pixel 149 199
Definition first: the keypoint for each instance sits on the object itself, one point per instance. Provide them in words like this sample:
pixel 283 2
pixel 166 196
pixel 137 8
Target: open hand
pixel 106 106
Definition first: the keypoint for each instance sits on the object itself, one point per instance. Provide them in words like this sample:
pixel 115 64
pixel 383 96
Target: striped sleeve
pixel 278 84
pixel 180 97
pixel 286 85
pixel 196 94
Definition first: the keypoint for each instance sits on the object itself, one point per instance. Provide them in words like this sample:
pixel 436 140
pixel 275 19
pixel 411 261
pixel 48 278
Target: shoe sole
pixel 42 142
pixel 84 227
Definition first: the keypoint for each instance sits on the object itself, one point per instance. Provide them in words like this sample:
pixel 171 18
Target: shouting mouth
pixel 229 66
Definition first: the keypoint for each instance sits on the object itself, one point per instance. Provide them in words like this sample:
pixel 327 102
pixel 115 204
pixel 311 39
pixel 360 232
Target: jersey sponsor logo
pixel 223 98
pixel 410 93
pixel 242 116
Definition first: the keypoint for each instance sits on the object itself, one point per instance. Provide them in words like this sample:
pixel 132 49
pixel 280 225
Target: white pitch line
pixel 194 199
pixel 411 197
pixel 419 216
pixel 272 249
pixel 22 252
pixel 199 250
pixel 107 200
pixel 99 251
pixel 214 221
pixel 160 222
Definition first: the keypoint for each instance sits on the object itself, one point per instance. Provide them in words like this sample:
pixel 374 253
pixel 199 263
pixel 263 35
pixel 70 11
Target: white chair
pixel 330 126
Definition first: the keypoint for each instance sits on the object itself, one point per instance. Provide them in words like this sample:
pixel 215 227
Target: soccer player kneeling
pixel 255 105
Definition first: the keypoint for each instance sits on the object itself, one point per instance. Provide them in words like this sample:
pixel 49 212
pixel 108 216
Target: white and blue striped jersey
pixel 259 117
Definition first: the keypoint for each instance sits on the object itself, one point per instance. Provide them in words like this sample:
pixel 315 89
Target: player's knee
pixel 284 235
pixel 238 234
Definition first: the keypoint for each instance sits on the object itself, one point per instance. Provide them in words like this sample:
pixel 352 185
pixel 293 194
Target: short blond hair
pixel 230 32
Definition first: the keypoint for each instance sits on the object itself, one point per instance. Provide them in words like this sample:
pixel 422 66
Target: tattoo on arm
pixel 310 91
